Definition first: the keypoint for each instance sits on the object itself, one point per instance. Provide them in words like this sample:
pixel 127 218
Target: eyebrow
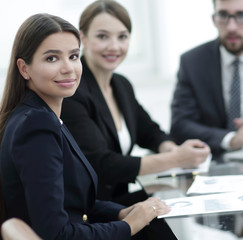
pixel 225 11
pixel 59 52
pixel 102 30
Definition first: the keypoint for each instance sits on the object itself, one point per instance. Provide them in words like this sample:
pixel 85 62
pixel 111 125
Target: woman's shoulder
pixel 31 117
pixel 121 83
pixel 121 79
pixel 29 122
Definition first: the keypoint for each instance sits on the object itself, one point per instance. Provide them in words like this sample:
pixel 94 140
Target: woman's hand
pixel 187 155
pixel 191 153
pixel 141 214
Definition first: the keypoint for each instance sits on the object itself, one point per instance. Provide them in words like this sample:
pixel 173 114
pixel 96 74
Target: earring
pixel 26 78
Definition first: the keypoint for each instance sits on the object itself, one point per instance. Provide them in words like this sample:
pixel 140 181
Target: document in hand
pixel 215 184
pixel 205 204
pixel 202 168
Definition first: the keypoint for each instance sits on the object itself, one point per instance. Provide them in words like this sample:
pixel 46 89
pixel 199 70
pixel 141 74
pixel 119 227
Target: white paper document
pixel 234 155
pixel 205 204
pixel 216 184
pixel 202 168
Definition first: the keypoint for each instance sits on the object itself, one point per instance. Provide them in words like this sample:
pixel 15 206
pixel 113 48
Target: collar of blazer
pixel 122 97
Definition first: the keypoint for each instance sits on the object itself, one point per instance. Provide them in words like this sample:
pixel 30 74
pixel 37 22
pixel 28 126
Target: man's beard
pixel 231 47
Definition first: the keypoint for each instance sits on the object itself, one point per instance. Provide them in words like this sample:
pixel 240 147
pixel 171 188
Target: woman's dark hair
pixel 108 6
pixel 28 38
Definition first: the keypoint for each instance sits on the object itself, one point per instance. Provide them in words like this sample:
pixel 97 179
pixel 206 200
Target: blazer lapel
pixel 123 100
pixel 216 79
pixel 80 154
pixel 105 113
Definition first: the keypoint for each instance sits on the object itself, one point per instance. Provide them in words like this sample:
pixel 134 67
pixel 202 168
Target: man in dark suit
pixel 202 99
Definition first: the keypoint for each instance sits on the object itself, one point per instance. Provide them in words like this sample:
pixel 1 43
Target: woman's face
pixel 56 69
pixel 106 43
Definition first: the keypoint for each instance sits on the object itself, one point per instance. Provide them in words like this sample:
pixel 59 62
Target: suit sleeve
pixel 38 158
pixel 192 108
pixel 105 211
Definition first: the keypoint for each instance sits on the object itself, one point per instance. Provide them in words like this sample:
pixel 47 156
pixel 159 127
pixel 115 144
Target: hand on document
pixel 141 214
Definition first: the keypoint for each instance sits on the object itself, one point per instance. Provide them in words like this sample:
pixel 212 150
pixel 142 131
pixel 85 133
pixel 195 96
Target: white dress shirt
pixel 124 138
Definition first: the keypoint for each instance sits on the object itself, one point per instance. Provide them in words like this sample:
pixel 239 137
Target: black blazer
pixel 48 182
pixel 88 118
pixel 198 109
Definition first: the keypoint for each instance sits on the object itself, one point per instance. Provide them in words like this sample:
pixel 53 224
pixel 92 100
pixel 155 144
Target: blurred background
pixel 162 30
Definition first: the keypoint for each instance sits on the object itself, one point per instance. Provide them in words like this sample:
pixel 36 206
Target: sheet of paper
pixel 234 155
pixel 216 184
pixel 202 168
pixel 205 204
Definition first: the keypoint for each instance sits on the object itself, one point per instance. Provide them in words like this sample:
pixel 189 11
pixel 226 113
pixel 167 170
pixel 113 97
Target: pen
pixel 193 174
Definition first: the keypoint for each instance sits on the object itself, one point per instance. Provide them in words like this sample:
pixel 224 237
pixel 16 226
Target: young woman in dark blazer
pixel 105 117
pixel 46 180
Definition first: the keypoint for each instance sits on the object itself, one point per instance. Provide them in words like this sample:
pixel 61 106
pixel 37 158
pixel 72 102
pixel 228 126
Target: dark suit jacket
pixel 48 182
pixel 198 109
pixel 88 118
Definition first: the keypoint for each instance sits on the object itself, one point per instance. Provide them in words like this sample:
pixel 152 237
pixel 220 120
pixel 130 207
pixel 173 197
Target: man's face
pixel 228 19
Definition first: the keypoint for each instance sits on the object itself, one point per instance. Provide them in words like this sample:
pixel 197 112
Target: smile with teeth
pixel 111 58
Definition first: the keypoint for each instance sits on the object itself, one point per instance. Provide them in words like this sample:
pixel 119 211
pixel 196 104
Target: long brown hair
pixel 28 38
pixel 100 6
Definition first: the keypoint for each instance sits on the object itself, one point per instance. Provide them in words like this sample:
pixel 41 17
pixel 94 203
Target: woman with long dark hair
pixel 47 181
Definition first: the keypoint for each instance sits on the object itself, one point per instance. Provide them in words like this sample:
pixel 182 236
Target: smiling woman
pixel 55 70
pixel 46 180
pixel 105 117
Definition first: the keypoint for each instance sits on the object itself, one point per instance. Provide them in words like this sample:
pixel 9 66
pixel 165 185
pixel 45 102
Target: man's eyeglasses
pixel 222 18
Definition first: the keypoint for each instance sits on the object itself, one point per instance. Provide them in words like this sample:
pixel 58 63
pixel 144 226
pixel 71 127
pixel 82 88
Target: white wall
pixel 181 26
pixel 162 30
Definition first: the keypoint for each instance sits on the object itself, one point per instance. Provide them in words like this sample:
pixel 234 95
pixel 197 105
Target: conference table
pixel 223 225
